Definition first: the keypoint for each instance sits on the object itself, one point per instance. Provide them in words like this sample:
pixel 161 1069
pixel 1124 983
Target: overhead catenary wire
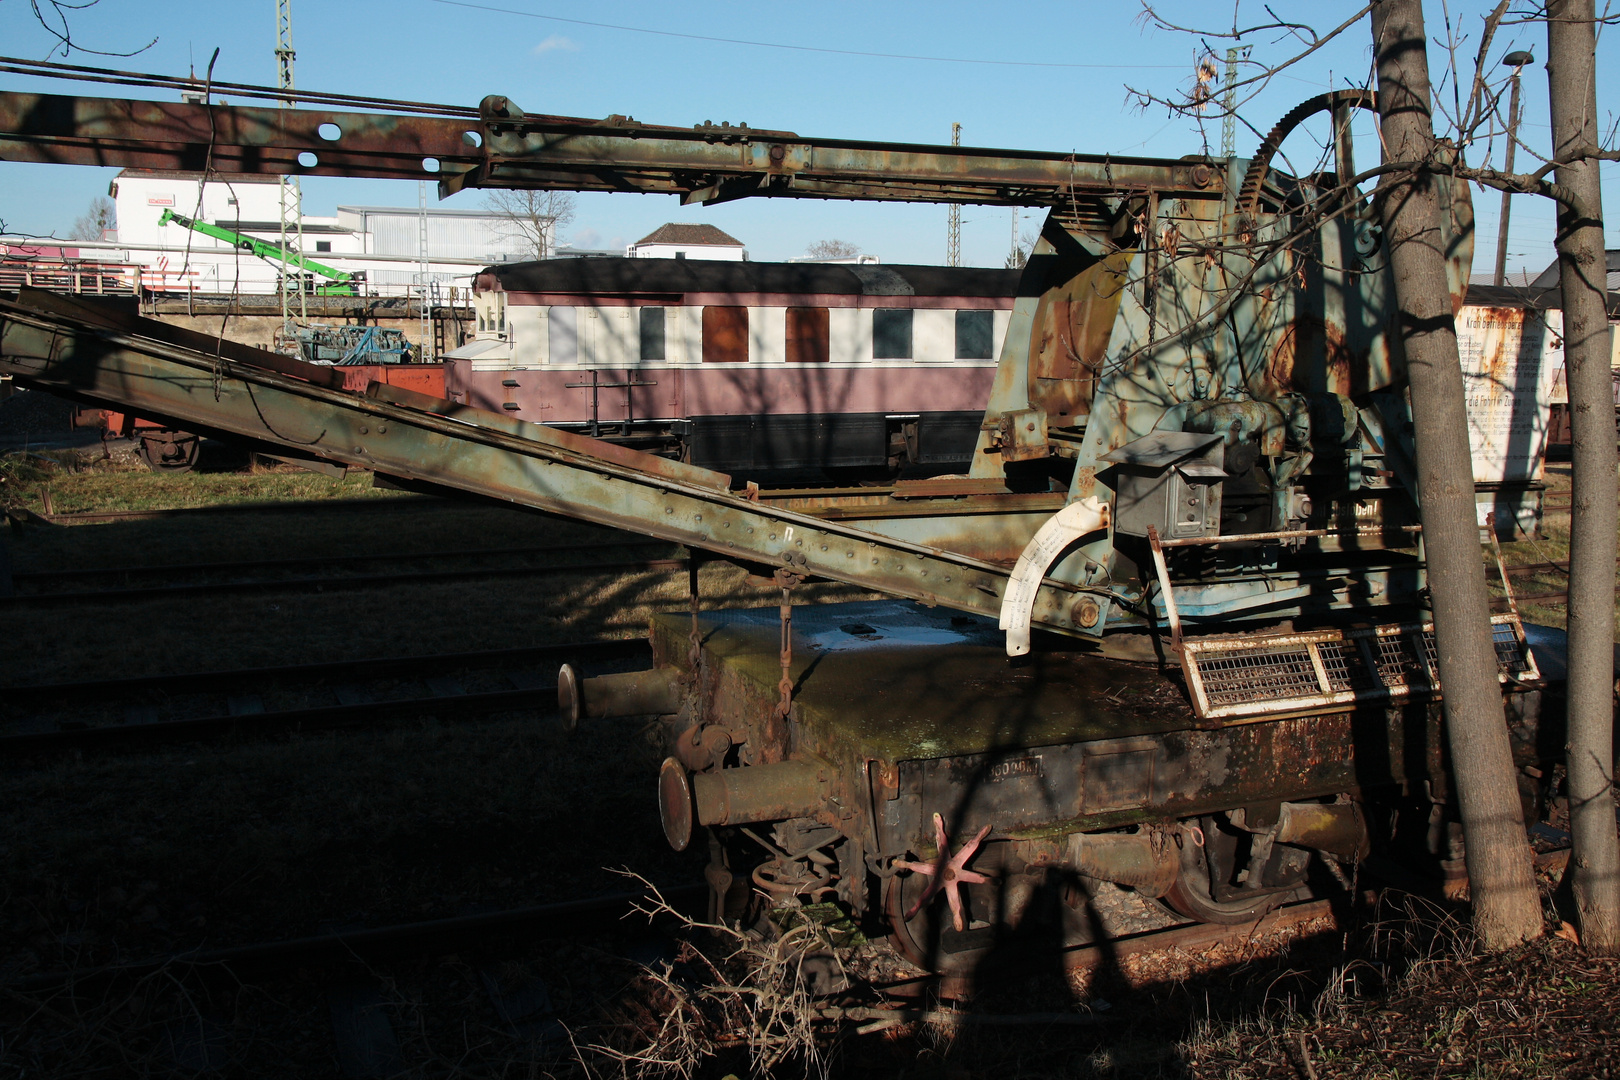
pixel 82 73
pixel 800 48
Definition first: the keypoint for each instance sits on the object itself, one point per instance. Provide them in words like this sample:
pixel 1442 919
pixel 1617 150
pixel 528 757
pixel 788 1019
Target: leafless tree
pixel 832 249
pixel 95 221
pixel 532 218
pixel 1507 908
pixel 1019 255
pixel 1468 109
pixel 1583 265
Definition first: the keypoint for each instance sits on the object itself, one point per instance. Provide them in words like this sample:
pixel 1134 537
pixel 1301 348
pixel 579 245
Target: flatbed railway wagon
pixel 763 369
pixel 1167 646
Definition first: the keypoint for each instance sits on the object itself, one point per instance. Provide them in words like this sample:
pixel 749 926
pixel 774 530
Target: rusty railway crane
pixel 1193 480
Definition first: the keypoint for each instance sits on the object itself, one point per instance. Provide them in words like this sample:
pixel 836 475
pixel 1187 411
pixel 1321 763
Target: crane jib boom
pixel 79 351
pixel 264 250
pixel 506 148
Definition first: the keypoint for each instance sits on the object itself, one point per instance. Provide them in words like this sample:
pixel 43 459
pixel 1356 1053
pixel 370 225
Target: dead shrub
pixel 727 990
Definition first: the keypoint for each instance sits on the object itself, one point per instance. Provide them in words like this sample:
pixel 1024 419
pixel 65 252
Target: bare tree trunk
pixel 1582 273
pixel 1507 909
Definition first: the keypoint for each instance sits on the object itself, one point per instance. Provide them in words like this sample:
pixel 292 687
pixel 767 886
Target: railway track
pixel 151 710
pixel 1535 569
pixel 306 565
pixel 1558 502
pixel 343 948
pixel 412 503
pixel 353 970
pixel 35 588
pixel 365 948
pixel 43 588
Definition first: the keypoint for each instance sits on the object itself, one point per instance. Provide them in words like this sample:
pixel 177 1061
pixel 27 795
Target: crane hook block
pixel 1061 529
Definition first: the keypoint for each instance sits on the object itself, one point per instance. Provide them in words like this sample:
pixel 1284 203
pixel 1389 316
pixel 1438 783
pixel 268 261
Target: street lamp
pixel 1516 60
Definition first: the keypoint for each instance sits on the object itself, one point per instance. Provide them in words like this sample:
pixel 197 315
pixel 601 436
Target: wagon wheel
pixel 910 936
pixel 931 896
pixel 918 938
pixel 1249 191
pixel 1193 894
pixel 177 455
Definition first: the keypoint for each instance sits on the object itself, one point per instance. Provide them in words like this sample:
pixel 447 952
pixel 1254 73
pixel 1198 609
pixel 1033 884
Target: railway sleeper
pixel 962 804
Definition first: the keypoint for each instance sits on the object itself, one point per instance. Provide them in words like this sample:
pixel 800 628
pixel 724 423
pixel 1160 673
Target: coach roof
pixel 610 276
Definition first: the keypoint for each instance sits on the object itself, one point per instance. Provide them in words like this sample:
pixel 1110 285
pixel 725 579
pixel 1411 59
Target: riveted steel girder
pixel 48 345
pixel 509 149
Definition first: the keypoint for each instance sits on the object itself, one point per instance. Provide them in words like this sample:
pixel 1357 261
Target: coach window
pixel 891 334
pixel 975 335
pixel 807 335
pixel 725 335
pixel 652 333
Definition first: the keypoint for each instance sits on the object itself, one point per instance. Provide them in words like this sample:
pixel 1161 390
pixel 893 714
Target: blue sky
pixel 1039 74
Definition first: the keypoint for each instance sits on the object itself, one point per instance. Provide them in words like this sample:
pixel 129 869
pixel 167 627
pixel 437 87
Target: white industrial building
pixel 383 242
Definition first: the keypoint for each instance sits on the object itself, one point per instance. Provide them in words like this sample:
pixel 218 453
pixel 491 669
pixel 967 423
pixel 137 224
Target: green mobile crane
pixel 341 283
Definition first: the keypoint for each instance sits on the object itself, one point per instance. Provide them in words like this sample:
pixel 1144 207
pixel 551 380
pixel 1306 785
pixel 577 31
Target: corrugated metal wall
pixel 451 236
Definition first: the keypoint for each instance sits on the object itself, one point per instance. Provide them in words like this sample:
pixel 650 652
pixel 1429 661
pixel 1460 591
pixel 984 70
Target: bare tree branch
pixel 1266 74
pixel 1148 15
pixel 62 30
pixel 833 249
pixel 96 220
pixel 532 218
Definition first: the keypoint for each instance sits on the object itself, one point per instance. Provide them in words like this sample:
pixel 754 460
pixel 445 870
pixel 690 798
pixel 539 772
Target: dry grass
pixel 1552 545
pixel 1437 1007
pixel 81 480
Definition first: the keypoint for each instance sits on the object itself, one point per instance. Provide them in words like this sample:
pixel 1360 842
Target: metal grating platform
pixel 1286 673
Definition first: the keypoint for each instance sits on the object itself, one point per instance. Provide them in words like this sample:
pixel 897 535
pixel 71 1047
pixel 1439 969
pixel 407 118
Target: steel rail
pixel 77 351
pixel 1551 599
pixel 201 681
pixel 1555 566
pixel 321 584
pixel 373 944
pixel 107 517
pixel 316 718
pixel 1561 501
pixel 319 562
pixel 1189 937
pixel 342 948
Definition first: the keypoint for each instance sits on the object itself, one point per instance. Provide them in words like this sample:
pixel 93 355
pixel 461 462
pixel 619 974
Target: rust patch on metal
pixel 1503 329
pixel 1309 335
pixel 1069 341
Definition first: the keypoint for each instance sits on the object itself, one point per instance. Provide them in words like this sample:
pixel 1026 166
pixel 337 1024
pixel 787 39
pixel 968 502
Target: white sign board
pixel 1510 359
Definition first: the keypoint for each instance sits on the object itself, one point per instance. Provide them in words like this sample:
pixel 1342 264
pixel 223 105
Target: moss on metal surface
pixel 895 681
